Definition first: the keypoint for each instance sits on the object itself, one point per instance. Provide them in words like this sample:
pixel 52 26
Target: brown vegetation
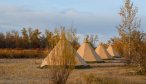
pixel 33 39
pixel 131 43
pixel 62 60
pixel 13 53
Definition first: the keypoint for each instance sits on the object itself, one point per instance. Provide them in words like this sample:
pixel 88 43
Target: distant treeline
pixel 30 38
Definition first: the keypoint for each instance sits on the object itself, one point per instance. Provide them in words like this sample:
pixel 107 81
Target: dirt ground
pixel 26 71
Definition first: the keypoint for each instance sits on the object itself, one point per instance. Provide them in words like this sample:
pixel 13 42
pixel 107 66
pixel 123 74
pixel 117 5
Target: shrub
pixel 61 61
pixel 12 53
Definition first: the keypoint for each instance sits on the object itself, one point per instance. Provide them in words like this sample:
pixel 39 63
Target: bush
pixel 139 58
pixel 12 53
pixel 61 61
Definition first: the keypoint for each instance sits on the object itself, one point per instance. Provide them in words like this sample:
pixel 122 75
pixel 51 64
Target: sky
pixel 87 16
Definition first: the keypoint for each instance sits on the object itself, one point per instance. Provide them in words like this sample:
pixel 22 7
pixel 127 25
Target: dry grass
pixel 25 71
pixel 104 79
pixel 12 53
pixel 95 79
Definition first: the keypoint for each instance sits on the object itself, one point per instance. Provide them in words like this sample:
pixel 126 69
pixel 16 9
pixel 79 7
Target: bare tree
pixel 62 62
pixel 129 24
pixel 93 38
pixel 133 40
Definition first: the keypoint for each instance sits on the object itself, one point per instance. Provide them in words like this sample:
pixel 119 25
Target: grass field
pixel 26 71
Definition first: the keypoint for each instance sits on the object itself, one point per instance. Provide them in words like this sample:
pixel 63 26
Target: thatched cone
pixel 88 53
pixel 102 52
pixel 63 54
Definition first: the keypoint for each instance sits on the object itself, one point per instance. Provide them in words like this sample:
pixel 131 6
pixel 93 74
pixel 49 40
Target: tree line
pixel 30 38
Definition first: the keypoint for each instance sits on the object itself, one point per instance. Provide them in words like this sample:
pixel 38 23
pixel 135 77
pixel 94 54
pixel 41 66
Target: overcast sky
pixel 87 16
